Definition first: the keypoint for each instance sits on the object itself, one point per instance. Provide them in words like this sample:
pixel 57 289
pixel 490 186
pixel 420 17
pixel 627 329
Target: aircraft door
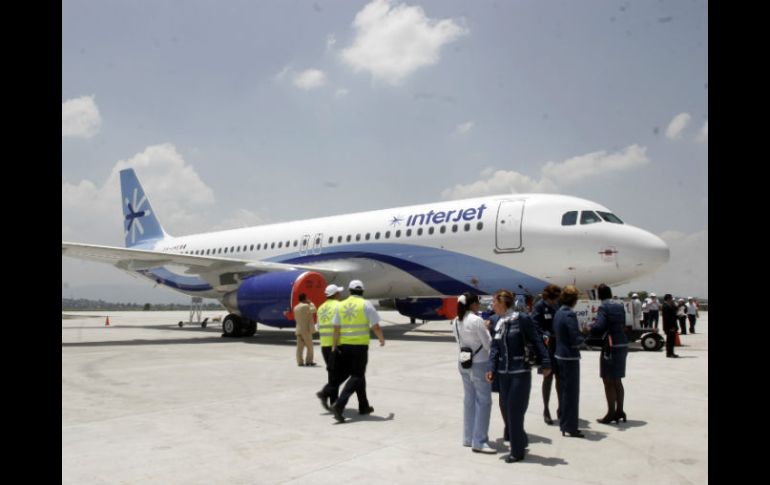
pixel 318 243
pixel 510 216
pixel 304 246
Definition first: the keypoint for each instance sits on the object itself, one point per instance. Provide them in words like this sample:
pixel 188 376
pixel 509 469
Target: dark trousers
pixel 682 324
pixel 654 318
pixel 569 378
pixel 333 390
pixel 354 360
pixel 692 323
pixel 514 391
pixel 670 341
pixel 646 320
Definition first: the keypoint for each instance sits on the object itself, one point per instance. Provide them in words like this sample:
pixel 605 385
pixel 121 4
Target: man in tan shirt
pixel 303 315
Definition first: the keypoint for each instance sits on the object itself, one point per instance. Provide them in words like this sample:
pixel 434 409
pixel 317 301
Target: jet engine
pixel 269 298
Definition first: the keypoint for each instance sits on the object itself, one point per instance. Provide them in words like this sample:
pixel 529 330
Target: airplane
pixel 420 256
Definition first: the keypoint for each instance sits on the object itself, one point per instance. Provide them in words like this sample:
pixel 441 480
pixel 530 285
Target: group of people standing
pixel 673 312
pixel 503 349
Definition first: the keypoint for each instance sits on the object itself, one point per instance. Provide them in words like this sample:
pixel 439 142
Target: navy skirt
pixel 613 367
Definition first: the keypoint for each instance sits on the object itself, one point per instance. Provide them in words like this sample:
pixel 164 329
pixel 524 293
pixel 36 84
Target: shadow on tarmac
pixel 263 337
pixel 541 460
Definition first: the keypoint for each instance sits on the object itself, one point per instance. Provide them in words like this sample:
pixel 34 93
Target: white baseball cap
pixel 653 294
pixel 634 295
pixel 333 289
pixel 356 285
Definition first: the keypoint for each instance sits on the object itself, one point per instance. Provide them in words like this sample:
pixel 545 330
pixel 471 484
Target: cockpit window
pixel 589 217
pixel 569 218
pixel 610 217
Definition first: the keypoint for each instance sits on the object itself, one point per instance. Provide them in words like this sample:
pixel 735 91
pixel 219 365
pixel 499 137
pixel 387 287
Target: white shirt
pixel 692 309
pixel 473 333
pixel 369 311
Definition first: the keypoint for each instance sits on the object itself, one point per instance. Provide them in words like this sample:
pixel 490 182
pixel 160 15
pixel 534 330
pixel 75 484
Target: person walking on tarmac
pixel 692 313
pixel 654 311
pixel 352 322
pixel 507 360
pixel 543 314
pixel 669 324
pixel 326 336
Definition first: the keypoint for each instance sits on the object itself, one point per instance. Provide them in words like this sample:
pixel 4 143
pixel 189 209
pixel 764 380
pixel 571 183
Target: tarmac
pixel 146 402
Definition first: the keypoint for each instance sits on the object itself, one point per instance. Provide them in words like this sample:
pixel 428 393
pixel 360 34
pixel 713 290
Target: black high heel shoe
pixel 547 417
pixel 608 419
pixel 576 434
pixel 620 415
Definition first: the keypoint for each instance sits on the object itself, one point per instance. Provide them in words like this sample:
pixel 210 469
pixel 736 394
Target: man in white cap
pixel 654 308
pixel 352 322
pixel 692 312
pixel 326 336
pixel 636 307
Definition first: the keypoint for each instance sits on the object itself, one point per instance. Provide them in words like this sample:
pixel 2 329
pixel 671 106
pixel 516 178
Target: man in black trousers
pixel 669 324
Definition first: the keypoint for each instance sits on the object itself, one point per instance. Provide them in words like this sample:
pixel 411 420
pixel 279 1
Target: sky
pixel 239 113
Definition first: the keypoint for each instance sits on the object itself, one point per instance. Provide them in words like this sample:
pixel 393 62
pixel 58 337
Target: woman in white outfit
pixel 474 340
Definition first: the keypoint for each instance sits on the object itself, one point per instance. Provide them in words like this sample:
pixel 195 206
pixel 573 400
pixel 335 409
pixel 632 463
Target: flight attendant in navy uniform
pixel 568 340
pixel 611 320
pixel 507 360
pixel 543 314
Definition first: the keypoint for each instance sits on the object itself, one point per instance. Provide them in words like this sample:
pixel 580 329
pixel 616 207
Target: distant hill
pixel 81 304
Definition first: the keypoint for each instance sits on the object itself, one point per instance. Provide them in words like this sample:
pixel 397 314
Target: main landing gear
pixel 236 326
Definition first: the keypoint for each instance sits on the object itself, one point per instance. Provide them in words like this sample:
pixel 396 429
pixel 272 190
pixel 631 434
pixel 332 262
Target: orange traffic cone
pixel 677 342
pixel 107 322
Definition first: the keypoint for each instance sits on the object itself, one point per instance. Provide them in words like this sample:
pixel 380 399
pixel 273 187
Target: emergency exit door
pixel 510 216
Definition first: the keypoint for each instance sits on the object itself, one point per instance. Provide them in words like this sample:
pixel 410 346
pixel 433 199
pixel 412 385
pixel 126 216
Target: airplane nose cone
pixel 650 251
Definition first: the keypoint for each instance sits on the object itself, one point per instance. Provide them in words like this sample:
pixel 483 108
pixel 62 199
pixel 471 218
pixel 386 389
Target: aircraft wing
pixel 222 274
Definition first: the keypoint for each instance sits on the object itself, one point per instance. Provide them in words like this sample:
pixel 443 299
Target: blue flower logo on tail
pixel 134 213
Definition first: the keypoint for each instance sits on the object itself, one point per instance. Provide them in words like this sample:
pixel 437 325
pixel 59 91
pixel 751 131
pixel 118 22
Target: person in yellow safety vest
pixel 352 322
pixel 326 332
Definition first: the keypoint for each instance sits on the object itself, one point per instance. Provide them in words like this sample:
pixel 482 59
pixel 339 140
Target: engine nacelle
pixel 428 308
pixel 270 298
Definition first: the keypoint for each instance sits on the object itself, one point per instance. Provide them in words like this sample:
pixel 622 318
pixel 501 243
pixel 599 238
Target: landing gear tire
pixel 232 326
pixel 412 320
pixel 250 328
pixel 180 324
pixel 652 342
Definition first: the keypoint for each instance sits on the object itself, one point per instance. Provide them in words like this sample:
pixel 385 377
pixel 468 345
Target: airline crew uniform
pixel 303 315
pixel 506 359
pixel 568 340
pixel 355 317
pixel 543 317
pixel 611 320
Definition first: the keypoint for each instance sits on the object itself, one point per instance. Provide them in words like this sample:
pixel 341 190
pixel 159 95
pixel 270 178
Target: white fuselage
pixel 483 244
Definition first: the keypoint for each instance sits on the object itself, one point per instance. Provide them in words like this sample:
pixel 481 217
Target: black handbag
pixel 466 353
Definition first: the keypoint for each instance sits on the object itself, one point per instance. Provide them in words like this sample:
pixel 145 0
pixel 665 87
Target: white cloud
pixel 703 135
pixel 310 79
pixel 240 218
pixel 686 273
pixel 341 93
pixel 553 175
pixel 92 213
pixel 500 182
pixel 393 42
pixel 585 166
pixel 80 118
pixel 464 128
pixel 330 42
pixel 282 74
pixel 677 125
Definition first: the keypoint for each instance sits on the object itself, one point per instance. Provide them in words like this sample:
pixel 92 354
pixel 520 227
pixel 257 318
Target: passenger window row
pixel 348 238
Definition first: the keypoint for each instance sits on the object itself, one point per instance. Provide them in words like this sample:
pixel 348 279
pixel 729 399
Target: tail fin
pixel 140 224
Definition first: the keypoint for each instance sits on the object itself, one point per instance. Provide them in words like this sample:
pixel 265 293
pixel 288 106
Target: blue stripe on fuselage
pixel 448 272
